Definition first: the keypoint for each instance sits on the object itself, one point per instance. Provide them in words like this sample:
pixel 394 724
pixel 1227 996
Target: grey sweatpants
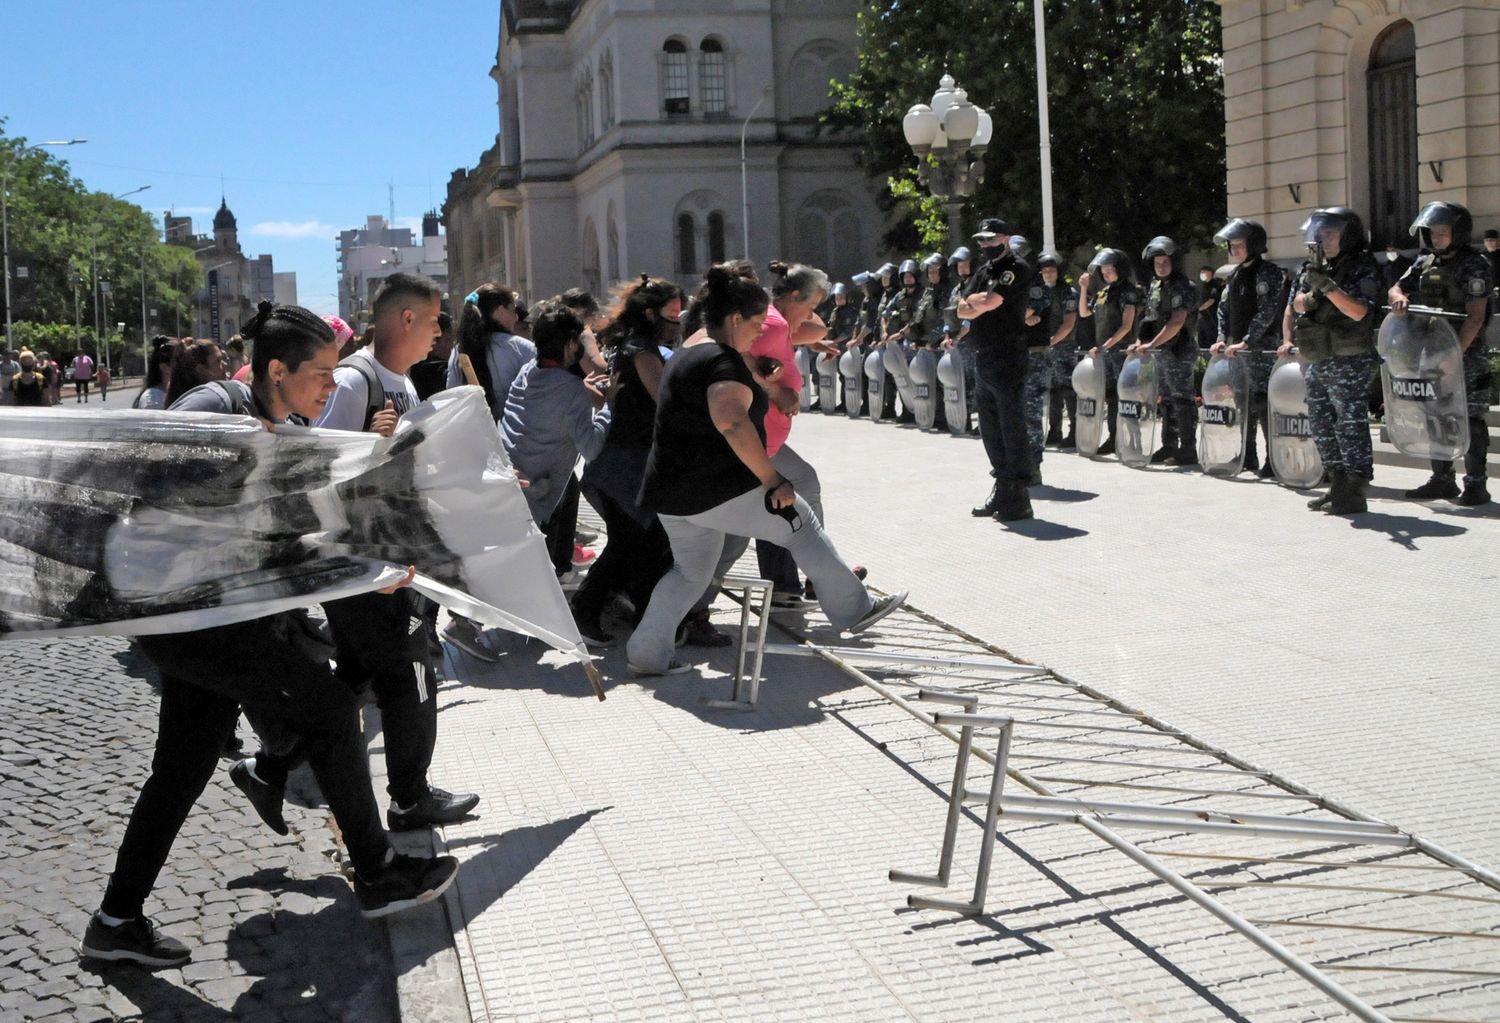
pixel 697 545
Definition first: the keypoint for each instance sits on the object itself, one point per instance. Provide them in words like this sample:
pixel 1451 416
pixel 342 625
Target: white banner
pixel 133 522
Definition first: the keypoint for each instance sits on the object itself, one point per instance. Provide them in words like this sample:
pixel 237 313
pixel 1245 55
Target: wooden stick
pixel 468 369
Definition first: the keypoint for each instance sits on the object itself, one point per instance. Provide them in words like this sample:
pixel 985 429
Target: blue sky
pixel 306 110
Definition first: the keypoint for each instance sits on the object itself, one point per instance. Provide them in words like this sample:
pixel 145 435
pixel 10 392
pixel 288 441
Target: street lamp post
pixel 144 354
pixel 5 220
pixel 949 138
pixel 745 171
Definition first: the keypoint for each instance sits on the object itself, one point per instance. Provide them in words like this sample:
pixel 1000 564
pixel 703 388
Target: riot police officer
pixel 1331 321
pixel 1250 314
pixel 1169 326
pixel 1110 301
pixel 995 303
pixel 1450 275
pixel 1210 288
pixel 1062 348
pixel 843 317
pixel 909 319
pixel 955 328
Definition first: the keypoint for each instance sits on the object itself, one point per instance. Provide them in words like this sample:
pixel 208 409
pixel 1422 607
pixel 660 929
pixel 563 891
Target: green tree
pixel 1137 113
pixel 70 233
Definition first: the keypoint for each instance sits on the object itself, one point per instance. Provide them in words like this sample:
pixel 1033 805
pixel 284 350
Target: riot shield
pixel 1426 405
pixel 876 381
pixel 1223 416
pixel 828 384
pixel 1088 384
pixel 1136 418
pixel 950 375
pixel 1294 456
pixel 804 358
pixel 852 369
pixel 924 384
pixel 899 370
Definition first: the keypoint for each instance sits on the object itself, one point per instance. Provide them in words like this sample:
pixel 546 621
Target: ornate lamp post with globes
pixel 949 138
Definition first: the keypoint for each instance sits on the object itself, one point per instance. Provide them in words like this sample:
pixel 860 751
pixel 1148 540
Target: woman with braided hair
pixel 488 333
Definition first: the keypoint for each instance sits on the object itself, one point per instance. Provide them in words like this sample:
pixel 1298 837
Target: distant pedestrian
pixel 83 375
pixel 9 367
pixel 51 376
pixel 196 363
pixel 101 377
pixel 29 386
pixel 153 393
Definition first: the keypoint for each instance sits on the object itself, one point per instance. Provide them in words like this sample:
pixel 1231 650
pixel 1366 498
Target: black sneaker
pixel 882 607
pixel 135 941
pixel 266 798
pixel 787 600
pixel 404 882
pixel 463 634
pixel 1107 448
pixel 434 808
pixel 1267 470
pixel 593 633
pixel 1069 443
pixel 672 668
pixel 1434 489
pixel 697 630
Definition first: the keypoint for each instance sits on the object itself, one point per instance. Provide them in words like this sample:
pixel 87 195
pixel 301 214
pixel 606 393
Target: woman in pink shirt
pixel 795 293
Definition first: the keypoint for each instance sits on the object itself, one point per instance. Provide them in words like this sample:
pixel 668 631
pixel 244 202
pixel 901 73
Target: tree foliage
pixel 68 232
pixel 1136 110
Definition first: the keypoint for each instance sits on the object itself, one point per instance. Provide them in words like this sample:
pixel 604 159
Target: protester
pixel 488 333
pixel 197 362
pixel 708 477
pixel 234 357
pixel 29 386
pixel 9 367
pixel 645 319
pixel 153 394
pixel 102 377
pixel 430 375
pixel 270 667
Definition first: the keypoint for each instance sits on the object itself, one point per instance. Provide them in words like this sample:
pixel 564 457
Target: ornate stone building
pixel 233 283
pixel 619 145
pixel 1381 105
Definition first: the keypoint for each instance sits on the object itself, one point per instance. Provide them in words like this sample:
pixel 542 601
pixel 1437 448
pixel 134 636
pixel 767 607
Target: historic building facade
pixel 1381 105
pixel 619 145
pixel 233 283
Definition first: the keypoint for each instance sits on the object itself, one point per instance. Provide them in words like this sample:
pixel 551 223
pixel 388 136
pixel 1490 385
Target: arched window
pixel 588 106
pixel 1391 81
pixel 606 92
pixel 712 84
pixel 674 77
pixel 829 234
pixel 613 231
pixel 687 244
pixel 591 257
pixel 716 237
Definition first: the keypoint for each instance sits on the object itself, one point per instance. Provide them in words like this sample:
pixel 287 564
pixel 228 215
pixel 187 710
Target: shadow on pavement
pixel 287 960
pixel 1062 495
pixel 1405 530
pixel 1041 529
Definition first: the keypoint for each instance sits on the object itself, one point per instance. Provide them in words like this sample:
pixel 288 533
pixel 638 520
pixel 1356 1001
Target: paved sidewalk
pixel 650 859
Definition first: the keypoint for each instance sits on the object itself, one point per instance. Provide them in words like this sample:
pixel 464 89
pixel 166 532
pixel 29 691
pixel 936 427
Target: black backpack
pixel 374 389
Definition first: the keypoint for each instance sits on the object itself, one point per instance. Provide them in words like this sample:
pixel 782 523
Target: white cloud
pixel 293 229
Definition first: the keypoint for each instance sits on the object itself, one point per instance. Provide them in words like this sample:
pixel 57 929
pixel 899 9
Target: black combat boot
pixel 1439 486
pixel 990 503
pixel 1351 501
pixel 1336 485
pixel 1014 504
pixel 1475 493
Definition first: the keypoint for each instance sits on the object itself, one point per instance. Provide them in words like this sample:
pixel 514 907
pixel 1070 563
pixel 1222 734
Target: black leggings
pixel 200 672
pixel 634 558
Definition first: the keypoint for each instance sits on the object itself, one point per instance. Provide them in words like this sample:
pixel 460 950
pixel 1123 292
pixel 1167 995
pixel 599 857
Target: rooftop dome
pixel 223 219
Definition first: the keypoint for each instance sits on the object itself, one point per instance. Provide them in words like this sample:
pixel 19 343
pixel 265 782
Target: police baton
pixel 1427 310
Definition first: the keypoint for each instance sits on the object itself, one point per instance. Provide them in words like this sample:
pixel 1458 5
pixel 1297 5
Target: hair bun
pixel 718 277
pixel 779 267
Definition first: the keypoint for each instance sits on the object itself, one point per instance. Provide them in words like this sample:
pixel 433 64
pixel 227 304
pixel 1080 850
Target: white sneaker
pixel 883 607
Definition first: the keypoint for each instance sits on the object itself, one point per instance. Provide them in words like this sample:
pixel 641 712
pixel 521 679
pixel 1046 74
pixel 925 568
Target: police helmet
pixel 1115 258
pixel 861 279
pixel 843 289
pixel 936 259
pixel 1248 231
pixel 886 268
pixel 1352 234
pixel 1441 213
pixel 909 266
pixel 961 255
pixel 1049 258
pixel 1020 246
pixel 1161 245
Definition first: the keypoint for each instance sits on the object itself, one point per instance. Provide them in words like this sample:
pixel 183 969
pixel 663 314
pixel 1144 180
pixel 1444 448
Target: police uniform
pixel 1062 300
pixel 1000 349
pixel 1038 370
pixel 953 324
pixel 1341 361
pixel 1178 360
pixel 1250 310
pixel 1449 281
pixel 1208 319
pixel 1107 304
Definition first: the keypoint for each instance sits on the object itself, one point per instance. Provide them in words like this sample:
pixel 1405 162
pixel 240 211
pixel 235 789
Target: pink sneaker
pixel 582 555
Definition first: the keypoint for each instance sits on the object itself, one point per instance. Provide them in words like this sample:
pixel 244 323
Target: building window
pixel 716 237
pixel 711 78
pixel 687 244
pixel 674 77
pixel 606 92
pixel 1391 80
pixel 591 279
pixel 614 245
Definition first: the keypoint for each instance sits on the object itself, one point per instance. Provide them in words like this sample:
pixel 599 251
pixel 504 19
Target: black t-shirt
pixel 692 467
pixel 1009 277
pixel 633 413
pixel 429 376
